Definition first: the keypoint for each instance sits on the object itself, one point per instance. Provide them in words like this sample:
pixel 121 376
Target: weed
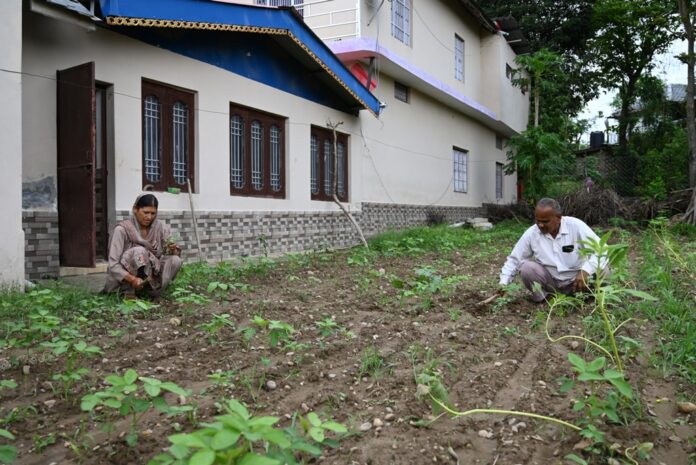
pixel 8 453
pixel 327 326
pixel 216 324
pixel 371 363
pixel 223 378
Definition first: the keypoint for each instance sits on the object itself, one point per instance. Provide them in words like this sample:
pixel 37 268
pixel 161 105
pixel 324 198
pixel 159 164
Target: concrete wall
pixel 407 158
pixel 12 244
pixel 123 62
pixel 498 93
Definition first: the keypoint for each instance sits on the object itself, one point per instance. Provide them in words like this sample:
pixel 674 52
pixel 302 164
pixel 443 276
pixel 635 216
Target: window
pixel 498 180
pixel 168 145
pixel 321 162
pixel 458 58
pixel 509 71
pixel 401 92
pixel 296 3
pixel 257 153
pixel 401 20
pixel 460 169
pixel 499 142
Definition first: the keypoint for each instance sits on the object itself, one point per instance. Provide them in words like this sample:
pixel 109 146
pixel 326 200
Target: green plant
pixel 327 326
pixel 223 378
pixel 8 453
pixel 215 325
pixel 371 363
pixel 69 344
pixel 132 396
pixel 41 442
pixel 238 438
pixel 279 331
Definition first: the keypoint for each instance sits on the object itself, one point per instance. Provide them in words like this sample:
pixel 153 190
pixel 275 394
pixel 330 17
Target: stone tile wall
pixel 225 235
pixel 41 244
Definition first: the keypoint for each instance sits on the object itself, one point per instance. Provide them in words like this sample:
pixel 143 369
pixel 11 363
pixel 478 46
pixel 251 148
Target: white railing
pixel 328 23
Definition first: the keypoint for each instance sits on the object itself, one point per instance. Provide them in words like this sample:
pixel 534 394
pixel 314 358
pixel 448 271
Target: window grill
pixel 237 151
pixel 401 20
pixel 180 129
pixel 401 92
pixel 256 155
pixel 275 159
pixel 314 154
pixel 152 136
pixel 498 180
pixel 458 58
pixel 340 163
pixel 460 170
pixel 328 169
pixel 296 3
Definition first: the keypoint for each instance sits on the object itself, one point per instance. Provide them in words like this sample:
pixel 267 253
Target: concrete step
pixel 100 267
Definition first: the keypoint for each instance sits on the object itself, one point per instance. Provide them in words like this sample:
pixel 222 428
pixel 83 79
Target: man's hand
pixel 580 283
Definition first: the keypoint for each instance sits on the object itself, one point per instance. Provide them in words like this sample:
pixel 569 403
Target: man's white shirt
pixel 549 252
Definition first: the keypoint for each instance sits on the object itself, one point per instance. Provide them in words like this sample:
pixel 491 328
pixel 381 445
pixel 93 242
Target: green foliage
pixel 327 326
pixel 536 154
pixel 71 345
pixel 278 331
pixel 238 438
pixel 371 363
pixel 216 324
pixel 132 396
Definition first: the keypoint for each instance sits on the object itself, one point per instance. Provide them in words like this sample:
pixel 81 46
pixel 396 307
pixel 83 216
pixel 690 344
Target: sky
pixel 668 68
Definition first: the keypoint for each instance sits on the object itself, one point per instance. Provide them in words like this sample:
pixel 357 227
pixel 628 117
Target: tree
pixel 687 11
pixel 630 33
pixel 563 27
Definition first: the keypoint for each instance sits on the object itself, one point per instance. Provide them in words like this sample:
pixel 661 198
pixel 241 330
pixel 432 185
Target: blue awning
pixel 280 33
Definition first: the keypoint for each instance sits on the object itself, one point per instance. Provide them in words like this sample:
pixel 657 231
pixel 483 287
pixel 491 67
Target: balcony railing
pixel 329 19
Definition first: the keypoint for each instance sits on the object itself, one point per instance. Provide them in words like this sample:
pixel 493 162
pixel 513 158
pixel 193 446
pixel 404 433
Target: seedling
pixel 8 453
pixel 75 352
pixel 215 325
pixel 327 326
pixel 371 363
pixel 132 396
pixel 236 436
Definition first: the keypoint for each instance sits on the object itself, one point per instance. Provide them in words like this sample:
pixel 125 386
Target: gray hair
pixel 550 203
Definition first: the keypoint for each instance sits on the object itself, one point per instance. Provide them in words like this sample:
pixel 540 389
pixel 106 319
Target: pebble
pixel 271 385
pixel 389 417
pixel 675 438
pixel 518 426
pixel 332 375
pixel 365 427
pixel 498 364
pixel 485 434
pixel 26 369
pixel 50 403
pixel 146 433
pixel 174 321
pixel 377 423
pixel 686 407
pixel 158 345
pixel 574 344
pixel 159 369
pixel 305 408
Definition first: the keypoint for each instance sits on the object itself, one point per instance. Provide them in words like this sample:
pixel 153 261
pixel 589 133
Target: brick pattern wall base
pixel 41 258
pixel 225 235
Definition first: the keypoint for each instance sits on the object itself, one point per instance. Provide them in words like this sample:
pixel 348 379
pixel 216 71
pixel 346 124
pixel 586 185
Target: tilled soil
pixel 495 356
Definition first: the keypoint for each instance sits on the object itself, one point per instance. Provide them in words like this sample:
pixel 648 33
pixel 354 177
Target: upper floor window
pixel 298 4
pixel 322 164
pixel 401 92
pixel 401 20
pixel 257 153
pixel 168 132
pixel 498 180
pixel 460 169
pixel 458 58
pixel 499 142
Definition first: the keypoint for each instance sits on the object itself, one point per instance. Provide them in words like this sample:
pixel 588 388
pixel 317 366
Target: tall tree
pixel 687 13
pixel 563 27
pixel 630 33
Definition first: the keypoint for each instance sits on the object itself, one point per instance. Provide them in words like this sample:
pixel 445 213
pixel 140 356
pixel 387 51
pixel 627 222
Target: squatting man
pixel 548 253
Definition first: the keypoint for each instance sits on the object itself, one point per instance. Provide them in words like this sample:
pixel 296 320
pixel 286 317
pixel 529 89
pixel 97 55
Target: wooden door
pixel 76 113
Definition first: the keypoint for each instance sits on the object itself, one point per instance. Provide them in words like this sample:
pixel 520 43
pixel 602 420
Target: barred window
pixel 257 153
pixel 167 128
pixel 298 4
pixel 458 58
pixel 498 180
pixel 401 20
pixel 322 164
pixel 460 170
pixel 401 92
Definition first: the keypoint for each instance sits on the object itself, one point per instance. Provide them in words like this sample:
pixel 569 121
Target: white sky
pixel 668 68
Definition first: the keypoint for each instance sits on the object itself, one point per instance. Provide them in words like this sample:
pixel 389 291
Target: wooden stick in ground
pixel 334 184
pixel 193 218
pixel 488 300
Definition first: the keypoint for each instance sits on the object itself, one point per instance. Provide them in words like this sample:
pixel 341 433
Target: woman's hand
pixel 172 249
pixel 135 282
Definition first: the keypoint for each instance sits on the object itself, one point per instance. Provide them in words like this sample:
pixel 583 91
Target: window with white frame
pixel 498 180
pixel 257 153
pixel 458 58
pixel 401 20
pixel 461 158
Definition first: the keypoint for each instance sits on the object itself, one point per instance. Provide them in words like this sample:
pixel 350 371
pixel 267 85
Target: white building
pixel 236 98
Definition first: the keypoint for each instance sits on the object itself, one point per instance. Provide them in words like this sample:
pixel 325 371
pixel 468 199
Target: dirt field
pixel 488 357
